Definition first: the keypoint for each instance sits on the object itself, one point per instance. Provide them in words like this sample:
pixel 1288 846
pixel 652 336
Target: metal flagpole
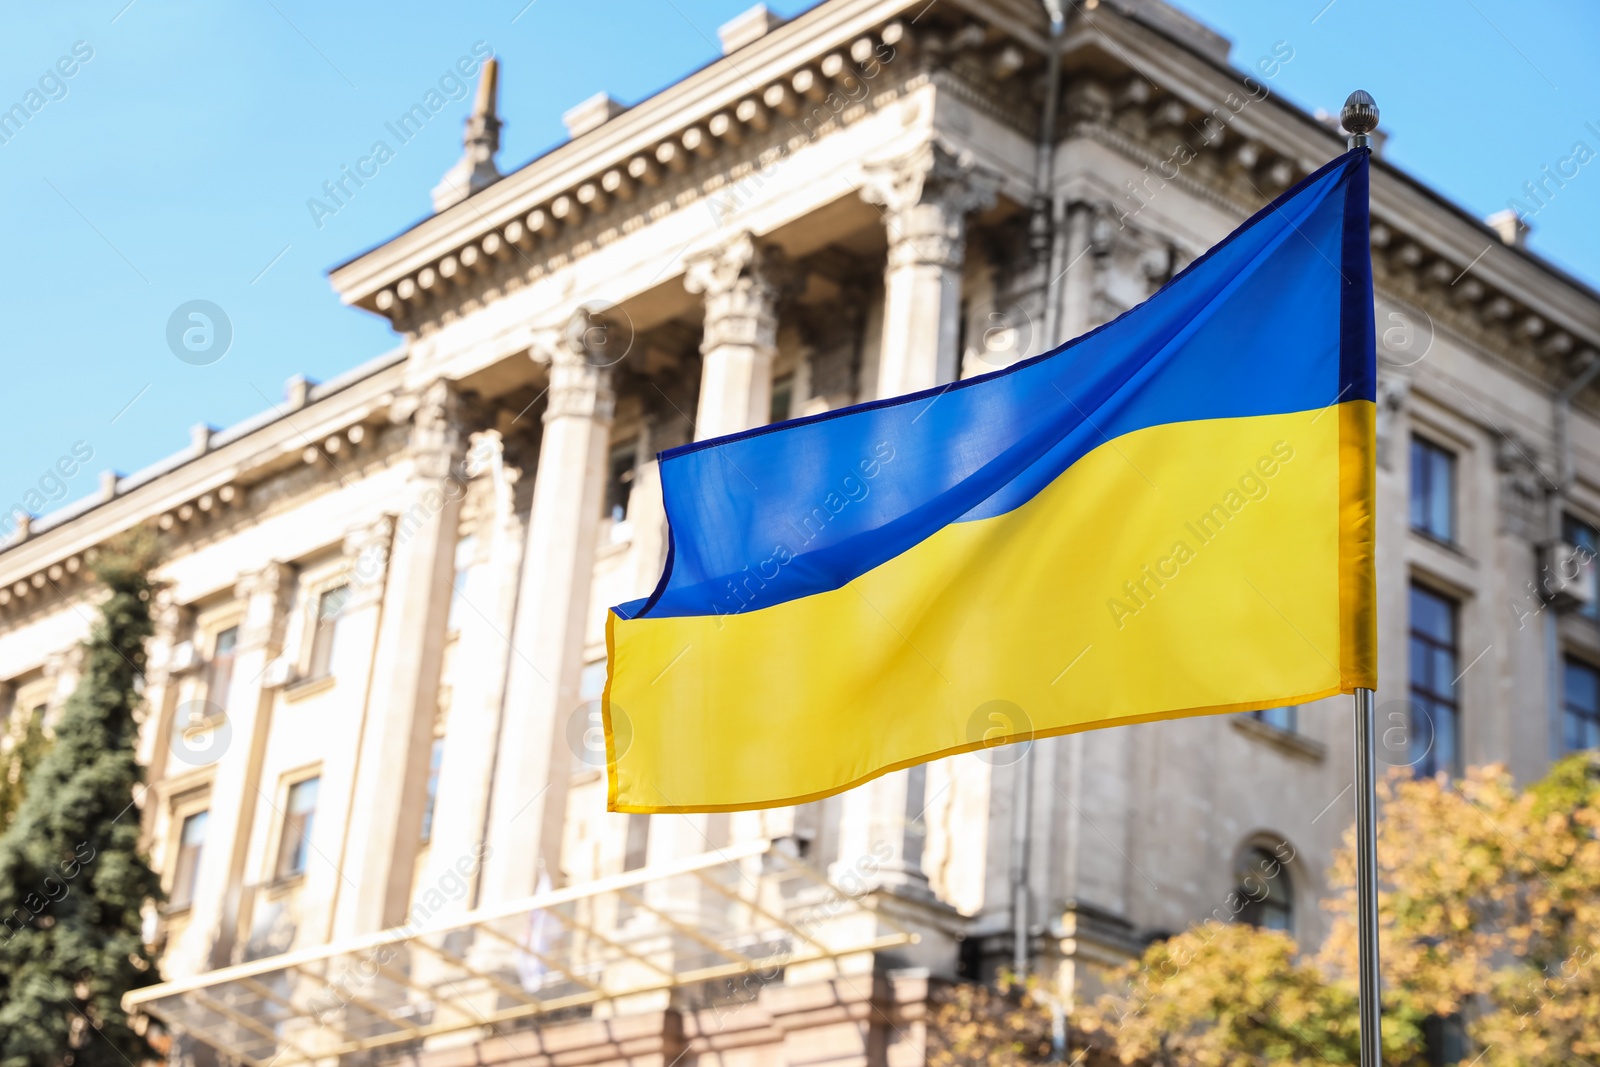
pixel 1367 881
pixel 1360 118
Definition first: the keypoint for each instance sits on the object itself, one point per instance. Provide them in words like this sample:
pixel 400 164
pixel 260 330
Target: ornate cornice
pixel 220 481
pixel 803 95
pixel 1237 172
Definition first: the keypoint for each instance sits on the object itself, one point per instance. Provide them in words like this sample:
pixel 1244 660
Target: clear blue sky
pixel 176 162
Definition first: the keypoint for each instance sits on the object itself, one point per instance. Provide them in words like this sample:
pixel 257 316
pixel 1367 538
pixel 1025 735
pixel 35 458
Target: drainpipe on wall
pixel 1566 474
pixel 1044 236
pixel 1044 229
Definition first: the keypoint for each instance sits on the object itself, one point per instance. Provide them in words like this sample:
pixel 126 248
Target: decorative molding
pixel 743 283
pixel 1522 486
pixel 267 594
pixel 1393 391
pixel 1285 741
pixel 579 359
pixel 366 548
pixel 438 417
pixel 814 94
pixel 926 196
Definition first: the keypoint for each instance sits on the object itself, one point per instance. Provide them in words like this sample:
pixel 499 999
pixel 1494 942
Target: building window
pixel 1580 697
pixel 1285 718
pixel 1433 490
pixel 1582 536
pixel 299 812
pixel 186 872
pixel 329 606
pixel 619 479
pixel 782 399
pixel 435 760
pixel 466 548
pixel 1435 738
pixel 1444 1040
pixel 1264 888
pixel 219 675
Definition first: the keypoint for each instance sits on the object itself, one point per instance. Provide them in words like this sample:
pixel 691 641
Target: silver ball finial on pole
pixel 1359 117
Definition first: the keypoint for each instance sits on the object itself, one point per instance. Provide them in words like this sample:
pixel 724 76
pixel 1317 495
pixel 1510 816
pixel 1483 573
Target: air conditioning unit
pixel 1567 576
pixel 183 658
pixel 279 673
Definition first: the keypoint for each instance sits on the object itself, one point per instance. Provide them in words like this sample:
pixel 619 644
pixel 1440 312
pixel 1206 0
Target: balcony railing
pixel 590 949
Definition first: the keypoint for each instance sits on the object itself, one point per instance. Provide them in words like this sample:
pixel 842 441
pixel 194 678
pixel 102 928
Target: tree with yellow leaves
pixel 1489 910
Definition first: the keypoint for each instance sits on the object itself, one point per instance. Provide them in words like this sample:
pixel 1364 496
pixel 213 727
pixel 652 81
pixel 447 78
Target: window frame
pixel 1452 535
pixel 1569 713
pixel 789 382
pixel 177 900
pixel 1293 717
pixel 463 561
pixel 1419 695
pixel 620 483
pixel 283 868
pixel 189 795
pixel 212 690
pixel 1280 885
pixel 1572 525
pixel 430 803
pixel 318 663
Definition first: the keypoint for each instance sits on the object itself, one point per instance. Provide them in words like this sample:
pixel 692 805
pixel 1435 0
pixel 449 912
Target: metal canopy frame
pixel 746 909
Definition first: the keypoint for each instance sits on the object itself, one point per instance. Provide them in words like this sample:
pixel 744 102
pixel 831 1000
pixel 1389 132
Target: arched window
pixel 1264 888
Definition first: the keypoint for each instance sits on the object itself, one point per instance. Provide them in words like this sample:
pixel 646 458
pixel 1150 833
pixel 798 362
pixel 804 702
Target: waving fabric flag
pixel 1171 515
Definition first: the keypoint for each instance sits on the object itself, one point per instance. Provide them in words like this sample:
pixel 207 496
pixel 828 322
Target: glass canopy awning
pixel 746 909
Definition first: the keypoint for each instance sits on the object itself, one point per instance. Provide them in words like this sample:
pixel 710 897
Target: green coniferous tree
pixel 72 881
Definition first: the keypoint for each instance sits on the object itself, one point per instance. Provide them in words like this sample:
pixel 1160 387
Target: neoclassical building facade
pixel 376 785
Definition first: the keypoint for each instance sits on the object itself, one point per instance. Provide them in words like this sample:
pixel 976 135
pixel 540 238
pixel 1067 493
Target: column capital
pixel 366 547
pixel 743 282
pixel 926 195
pixel 438 417
pixel 1394 391
pixel 580 355
pixel 1522 500
pixel 266 593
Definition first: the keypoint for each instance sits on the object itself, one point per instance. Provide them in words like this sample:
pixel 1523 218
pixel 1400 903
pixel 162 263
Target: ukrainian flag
pixel 1171 515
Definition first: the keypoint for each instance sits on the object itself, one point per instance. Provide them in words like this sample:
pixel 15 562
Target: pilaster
pixel 478 671
pixel 238 759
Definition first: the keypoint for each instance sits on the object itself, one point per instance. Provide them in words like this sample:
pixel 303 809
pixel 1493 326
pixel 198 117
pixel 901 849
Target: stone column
pixel 925 196
pixel 882 833
pixel 528 803
pixel 743 283
pixel 387 797
pixel 1077 285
